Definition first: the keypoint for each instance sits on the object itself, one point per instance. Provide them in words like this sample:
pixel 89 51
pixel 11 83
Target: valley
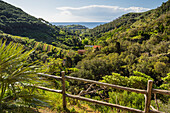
pixel 127 51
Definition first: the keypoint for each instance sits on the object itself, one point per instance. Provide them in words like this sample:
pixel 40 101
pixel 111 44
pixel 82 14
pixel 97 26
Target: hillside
pixel 131 21
pixel 15 21
pixel 135 42
pixel 132 38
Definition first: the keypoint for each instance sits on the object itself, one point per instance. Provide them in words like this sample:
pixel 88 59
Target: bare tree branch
pixel 82 92
pixel 156 101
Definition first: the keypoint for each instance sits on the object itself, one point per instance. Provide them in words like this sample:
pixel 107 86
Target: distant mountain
pixel 73 27
pixel 89 25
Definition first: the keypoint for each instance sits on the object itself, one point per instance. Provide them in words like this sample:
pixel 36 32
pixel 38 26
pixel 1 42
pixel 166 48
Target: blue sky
pixel 83 10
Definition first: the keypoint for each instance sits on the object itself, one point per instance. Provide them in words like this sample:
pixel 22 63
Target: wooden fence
pixel 147 93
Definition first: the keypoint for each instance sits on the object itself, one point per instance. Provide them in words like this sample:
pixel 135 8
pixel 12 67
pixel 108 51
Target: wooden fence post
pixel 63 89
pixel 148 96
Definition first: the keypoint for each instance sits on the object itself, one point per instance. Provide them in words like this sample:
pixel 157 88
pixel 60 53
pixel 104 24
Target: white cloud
pixel 94 12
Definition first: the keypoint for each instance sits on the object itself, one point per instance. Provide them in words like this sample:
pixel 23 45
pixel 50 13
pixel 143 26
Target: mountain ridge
pixel 15 21
pixel 128 18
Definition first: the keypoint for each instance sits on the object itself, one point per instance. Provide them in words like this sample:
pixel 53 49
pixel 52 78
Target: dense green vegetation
pixel 135 48
pixel 141 45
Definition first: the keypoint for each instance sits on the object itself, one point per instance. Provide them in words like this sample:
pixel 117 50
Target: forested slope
pixel 128 21
pixel 134 42
pixel 135 48
pixel 15 21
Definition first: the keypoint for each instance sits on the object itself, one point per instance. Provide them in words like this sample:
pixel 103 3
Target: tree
pixel 16 74
pixel 135 49
pixel 138 81
pixel 159 67
pixel 85 41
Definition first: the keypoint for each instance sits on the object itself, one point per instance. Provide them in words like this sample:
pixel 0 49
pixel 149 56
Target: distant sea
pixel 90 25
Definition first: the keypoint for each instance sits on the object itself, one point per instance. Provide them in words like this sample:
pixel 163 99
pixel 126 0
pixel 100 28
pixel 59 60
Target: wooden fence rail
pixel 108 85
pixel 147 93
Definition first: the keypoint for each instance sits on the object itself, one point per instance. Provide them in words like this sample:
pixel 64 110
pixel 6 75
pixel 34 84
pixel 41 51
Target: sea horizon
pixel 90 25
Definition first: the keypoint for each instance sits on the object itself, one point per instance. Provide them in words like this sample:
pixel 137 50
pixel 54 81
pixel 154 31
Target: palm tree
pixel 16 73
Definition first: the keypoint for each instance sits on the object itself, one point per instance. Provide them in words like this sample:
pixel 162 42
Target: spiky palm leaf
pixel 16 73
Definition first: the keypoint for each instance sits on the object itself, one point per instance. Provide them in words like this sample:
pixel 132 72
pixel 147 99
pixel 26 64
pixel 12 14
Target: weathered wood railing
pixel 147 93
